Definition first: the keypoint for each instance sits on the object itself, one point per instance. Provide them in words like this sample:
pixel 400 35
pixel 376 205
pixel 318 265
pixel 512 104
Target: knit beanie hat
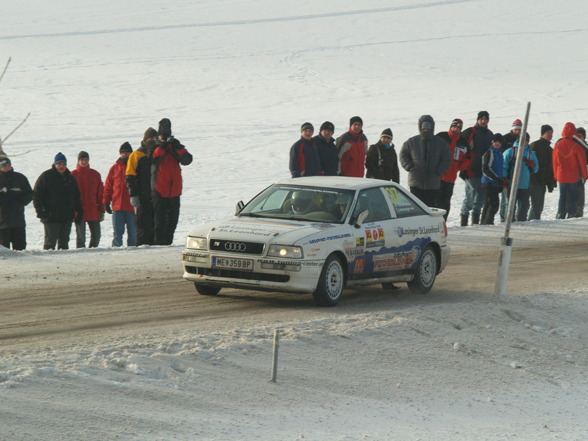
pixel 4 160
pixel 355 119
pixel 83 155
pixel 150 133
pixel 456 122
pixel 306 126
pixel 545 128
pixel 387 133
pixel 483 114
pixel 327 125
pixel 581 130
pixel 126 147
pixel 60 157
pixel 164 128
pixel 517 124
pixel 497 137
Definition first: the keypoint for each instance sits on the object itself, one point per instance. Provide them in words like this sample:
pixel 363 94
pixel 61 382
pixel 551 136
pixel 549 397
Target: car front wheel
pixel 425 274
pixel 331 282
pixel 206 290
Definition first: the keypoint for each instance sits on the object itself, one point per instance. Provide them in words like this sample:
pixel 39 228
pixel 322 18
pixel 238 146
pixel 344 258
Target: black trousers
pixel 145 219
pixel 491 204
pixel 166 214
pixel 16 236
pixel 57 233
pixel 444 196
pixel 429 197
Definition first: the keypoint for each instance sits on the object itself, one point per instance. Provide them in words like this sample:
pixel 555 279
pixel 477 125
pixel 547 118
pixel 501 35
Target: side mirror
pixel 361 218
pixel 240 205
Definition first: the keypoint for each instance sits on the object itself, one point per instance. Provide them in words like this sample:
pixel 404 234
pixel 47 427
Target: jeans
pixel 566 208
pixel 503 204
pixel 94 234
pixel 580 200
pixel 474 197
pixel 537 200
pixel 120 219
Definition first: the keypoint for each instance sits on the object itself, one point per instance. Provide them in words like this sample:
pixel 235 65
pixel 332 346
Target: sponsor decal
pixel 279 262
pixel 396 261
pixel 359 241
pixel 374 237
pixel 420 231
pixel 352 252
pixel 359 266
pixel 335 237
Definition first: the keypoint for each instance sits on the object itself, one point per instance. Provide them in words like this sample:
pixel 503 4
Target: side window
pixel 403 205
pixel 374 201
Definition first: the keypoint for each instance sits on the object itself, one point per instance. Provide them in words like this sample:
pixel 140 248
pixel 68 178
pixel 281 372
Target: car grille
pixel 238 247
pixel 236 274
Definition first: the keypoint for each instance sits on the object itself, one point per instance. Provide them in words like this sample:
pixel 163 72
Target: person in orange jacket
pixel 569 167
pixel 91 189
pixel 166 183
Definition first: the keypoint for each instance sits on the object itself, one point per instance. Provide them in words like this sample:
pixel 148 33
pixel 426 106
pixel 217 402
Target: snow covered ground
pixel 237 79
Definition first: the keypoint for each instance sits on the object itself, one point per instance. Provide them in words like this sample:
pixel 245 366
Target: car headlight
pixel 196 243
pixel 285 251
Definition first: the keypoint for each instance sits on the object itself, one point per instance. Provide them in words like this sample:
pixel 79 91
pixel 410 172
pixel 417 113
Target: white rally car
pixel 318 235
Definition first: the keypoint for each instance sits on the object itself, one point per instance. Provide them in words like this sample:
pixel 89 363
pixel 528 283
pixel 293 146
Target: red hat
pixel 517 124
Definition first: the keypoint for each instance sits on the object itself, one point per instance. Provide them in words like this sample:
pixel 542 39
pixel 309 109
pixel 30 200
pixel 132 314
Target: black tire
pixel 206 290
pixel 331 282
pixel 425 274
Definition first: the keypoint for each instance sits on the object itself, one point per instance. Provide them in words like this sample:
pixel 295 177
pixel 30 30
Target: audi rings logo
pixel 235 246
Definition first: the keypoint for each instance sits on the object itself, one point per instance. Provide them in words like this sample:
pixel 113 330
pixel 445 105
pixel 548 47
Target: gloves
pixel 530 163
pixel 79 219
pixel 135 202
pixel 504 183
pixel 107 208
pixel 463 175
pixel 101 216
pixel 176 144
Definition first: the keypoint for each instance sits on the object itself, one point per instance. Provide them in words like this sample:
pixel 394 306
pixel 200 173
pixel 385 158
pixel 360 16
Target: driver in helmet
pixel 302 202
pixel 341 204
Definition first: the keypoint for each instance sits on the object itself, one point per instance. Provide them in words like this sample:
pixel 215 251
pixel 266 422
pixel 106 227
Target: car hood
pixel 260 230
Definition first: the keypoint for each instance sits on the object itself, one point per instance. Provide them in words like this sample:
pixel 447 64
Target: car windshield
pixel 312 204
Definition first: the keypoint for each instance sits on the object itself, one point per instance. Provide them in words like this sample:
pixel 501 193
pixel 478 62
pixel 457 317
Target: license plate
pixel 239 264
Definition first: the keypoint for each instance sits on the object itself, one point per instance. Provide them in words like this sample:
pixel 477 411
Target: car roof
pixel 342 182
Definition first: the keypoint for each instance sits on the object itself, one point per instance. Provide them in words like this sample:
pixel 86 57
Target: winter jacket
pixel 352 149
pixel 493 167
pixel 116 192
pixel 15 194
pixel 544 152
pixel 166 173
pixel 304 158
pixel 478 139
pixel 328 154
pixel 56 197
pixel 426 158
pixel 569 158
pixel 510 157
pixel 138 172
pixel 461 159
pixel 508 141
pixel 381 162
pixel 91 192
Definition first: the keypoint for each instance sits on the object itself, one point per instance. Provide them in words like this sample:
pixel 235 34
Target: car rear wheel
pixel 426 272
pixel 331 282
pixel 206 290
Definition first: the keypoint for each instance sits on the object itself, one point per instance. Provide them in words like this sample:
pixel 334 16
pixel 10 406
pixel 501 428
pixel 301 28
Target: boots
pixel 464 220
pixel 475 218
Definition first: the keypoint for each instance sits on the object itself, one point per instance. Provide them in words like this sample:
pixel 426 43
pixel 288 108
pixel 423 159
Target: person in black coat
pixel 304 155
pixel 381 161
pixel 327 150
pixel 15 194
pixel 56 198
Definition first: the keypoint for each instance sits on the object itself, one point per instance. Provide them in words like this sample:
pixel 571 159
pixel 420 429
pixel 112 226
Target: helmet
pixel 342 199
pixel 301 201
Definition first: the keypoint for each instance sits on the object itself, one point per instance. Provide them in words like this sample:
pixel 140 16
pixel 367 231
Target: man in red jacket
pixel 569 166
pixel 118 202
pixel 352 147
pixel 91 189
pixel 166 179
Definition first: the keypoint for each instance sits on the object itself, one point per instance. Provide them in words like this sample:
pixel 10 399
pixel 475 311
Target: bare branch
pixel 15 129
pixel 5 67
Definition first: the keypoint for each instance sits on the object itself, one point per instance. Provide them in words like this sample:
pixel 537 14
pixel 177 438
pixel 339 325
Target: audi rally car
pixel 318 235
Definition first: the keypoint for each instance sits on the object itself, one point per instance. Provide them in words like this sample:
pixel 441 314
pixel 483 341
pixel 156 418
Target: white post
pixel 275 356
pixel 506 241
